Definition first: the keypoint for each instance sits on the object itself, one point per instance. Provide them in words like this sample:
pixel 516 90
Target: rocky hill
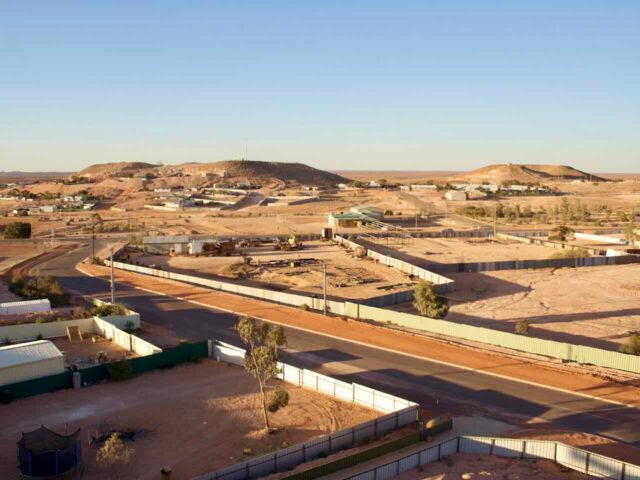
pixel 114 169
pixel 526 174
pixel 250 171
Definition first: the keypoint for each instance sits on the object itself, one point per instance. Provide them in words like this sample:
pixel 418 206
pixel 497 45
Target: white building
pixel 455 195
pixel 26 361
pixel 25 307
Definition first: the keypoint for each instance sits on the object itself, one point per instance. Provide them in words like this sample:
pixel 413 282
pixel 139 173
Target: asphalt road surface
pixel 436 387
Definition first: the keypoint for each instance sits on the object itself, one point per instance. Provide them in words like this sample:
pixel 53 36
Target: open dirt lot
pixel 86 353
pixel 193 418
pixel 347 276
pixel 461 250
pixel 597 306
pixel 469 466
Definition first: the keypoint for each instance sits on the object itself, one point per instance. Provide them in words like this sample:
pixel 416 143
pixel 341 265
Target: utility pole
pixel 93 242
pixel 324 289
pixel 113 282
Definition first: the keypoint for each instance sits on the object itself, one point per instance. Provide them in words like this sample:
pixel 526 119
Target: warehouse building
pixel 26 361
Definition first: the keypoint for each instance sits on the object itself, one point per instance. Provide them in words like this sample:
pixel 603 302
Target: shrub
pixel 633 346
pixel 522 327
pixel 428 302
pixel 114 455
pixel 119 370
pixel 278 400
pixel 571 253
pixel 40 287
pixel 17 230
pixel 561 233
pixel 106 309
pixel 305 307
pixel 97 261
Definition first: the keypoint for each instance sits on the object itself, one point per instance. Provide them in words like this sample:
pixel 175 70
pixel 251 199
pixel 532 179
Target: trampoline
pixel 44 453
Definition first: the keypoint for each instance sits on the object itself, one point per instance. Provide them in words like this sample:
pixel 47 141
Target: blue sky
pixel 426 85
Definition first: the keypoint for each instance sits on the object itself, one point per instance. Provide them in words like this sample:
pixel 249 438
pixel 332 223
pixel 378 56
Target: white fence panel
pixel 572 458
pixel 605 467
pixel 506 447
pixel 364 395
pixel 291 374
pixel 326 385
pixel 631 472
pixel 344 391
pixel 229 355
pixel 475 445
pixel 384 402
pixel 310 379
pixel 540 449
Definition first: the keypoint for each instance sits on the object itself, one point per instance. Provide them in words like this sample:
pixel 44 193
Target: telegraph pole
pixel 93 243
pixel 324 289
pixel 113 282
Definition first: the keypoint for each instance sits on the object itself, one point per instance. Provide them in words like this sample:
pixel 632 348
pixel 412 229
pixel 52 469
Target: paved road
pixel 435 386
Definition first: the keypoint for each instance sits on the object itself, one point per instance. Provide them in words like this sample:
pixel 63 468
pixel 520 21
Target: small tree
pixel 522 327
pixel 428 302
pixel 261 359
pixel 561 233
pixel 114 455
pixel 17 230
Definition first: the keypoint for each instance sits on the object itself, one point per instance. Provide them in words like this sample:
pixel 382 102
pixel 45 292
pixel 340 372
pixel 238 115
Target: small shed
pixel 455 195
pixel 26 306
pixel 25 361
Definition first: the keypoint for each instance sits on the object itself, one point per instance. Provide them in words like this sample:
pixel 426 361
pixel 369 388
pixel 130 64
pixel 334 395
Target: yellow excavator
pixel 291 244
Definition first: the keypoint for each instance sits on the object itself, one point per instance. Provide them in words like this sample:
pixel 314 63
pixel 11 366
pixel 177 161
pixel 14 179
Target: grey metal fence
pixel 568 456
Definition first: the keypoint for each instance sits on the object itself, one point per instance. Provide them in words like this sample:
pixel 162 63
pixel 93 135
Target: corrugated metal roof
pixel 27 353
pixel 44 301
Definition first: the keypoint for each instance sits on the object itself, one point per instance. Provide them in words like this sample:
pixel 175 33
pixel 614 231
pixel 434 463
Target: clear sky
pixel 425 85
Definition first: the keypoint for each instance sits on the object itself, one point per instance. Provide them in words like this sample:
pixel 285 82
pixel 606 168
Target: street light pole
pixel 324 289
pixel 113 283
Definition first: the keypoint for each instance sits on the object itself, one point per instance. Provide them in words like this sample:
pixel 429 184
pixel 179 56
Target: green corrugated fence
pixel 548 348
pixel 36 386
pixel 355 459
pixel 168 358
